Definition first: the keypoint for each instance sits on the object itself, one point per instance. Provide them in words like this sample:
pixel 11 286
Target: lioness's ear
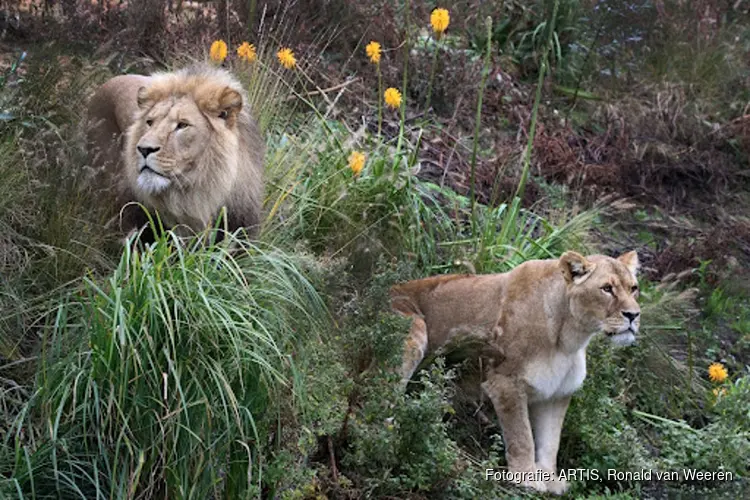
pixel 230 104
pixel 142 97
pixel 575 267
pixel 630 260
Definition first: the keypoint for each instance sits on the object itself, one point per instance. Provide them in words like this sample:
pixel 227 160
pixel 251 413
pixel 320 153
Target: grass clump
pixel 166 378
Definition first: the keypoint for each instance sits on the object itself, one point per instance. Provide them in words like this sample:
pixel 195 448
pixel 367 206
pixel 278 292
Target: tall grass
pixel 166 378
pixel 49 231
pixel 315 198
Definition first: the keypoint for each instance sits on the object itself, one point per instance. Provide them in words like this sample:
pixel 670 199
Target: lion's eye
pixel 182 125
pixel 634 289
pixel 223 115
pixel 149 122
pixel 607 289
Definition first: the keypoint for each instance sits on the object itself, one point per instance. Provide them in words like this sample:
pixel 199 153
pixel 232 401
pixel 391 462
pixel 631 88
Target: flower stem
pixel 399 144
pixel 432 72
pixel 509 224
pixel 380 101
pixel 537 99
pixel 478 121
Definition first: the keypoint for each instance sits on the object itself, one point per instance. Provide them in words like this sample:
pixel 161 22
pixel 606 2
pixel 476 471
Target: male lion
pixel 181 143
pixel 538 320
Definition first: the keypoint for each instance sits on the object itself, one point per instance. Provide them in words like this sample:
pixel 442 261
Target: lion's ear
pixel 230 104
pixel 631 261
pixel 142 98
pixel 575 268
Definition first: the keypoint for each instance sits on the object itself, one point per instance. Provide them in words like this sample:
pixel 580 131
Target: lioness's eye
pixel 181 125
pixel 149 122
pixel 607 288
pixel 634 289
pixel 223 115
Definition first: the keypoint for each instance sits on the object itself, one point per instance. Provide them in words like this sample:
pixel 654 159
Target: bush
pixel 400 443
pixel 722 445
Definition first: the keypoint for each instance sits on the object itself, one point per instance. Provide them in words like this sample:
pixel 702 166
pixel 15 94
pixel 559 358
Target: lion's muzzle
pixel 146 151
pixel 151 180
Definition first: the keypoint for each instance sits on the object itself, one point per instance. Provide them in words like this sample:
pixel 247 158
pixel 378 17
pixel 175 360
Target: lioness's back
pixel 513 294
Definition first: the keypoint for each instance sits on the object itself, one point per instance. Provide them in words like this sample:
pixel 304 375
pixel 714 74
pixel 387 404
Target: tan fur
pixel 183 143
pixel 538 318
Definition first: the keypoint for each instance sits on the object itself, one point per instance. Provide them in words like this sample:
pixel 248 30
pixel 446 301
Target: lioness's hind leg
pixel 415 348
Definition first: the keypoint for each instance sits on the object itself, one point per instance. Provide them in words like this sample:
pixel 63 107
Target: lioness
pixel 182 143
pixel 538 320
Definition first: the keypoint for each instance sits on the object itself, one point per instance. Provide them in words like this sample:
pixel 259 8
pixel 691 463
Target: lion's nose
pixel 631 315
pixel 145 150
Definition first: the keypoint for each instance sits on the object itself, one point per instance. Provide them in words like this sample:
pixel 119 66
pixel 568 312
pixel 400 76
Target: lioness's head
pixel 603 293
pixel 185 130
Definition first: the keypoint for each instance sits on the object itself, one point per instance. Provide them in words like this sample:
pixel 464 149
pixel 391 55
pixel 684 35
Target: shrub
pixel 723 444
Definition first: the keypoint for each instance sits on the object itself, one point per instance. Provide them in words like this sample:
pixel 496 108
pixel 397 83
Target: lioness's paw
pixel 539 486
pixel 528 479
pixel 557 486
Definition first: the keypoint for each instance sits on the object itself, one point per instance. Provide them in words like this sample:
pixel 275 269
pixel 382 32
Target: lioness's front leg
pixel 508 396
pixel 546 423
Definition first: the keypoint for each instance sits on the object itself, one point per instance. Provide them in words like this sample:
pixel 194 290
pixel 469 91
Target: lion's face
pixel 603 294
pixel 170 145
pixel 175 135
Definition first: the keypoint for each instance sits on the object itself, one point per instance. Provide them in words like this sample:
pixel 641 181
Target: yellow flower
pixel 218 51
pixel 440 20
pixel 356 162
pixel 392 97
pixel 286 58
pixel 717 372
pixel 247 52
pixel 373 52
